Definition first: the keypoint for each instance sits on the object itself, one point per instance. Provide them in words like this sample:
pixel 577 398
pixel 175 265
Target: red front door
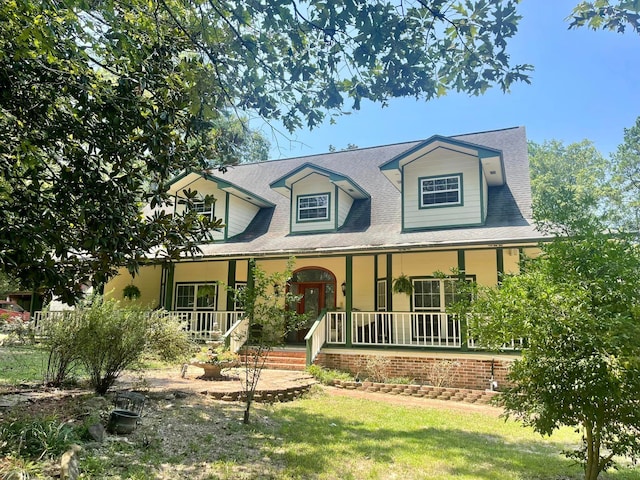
pixel 311 303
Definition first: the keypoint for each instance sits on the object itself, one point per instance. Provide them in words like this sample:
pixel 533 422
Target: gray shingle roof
pixel 375 223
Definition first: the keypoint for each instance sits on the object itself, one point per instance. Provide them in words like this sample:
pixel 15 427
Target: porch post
pixel 231 282
pixel 499 265
pixel 168 288
pixel 349 297
pixel 464 342
pixel 389 282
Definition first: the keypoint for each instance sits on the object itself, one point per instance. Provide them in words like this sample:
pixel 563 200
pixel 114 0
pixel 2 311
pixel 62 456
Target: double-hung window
pixel 313 207
pixel 441 191
pixel 205 209
pixel 196 296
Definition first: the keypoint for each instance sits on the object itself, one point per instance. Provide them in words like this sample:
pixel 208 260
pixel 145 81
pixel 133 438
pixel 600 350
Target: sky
pixel 586 85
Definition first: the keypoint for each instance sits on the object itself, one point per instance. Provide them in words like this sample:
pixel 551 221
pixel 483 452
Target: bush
pixel 328 377
pixel 37 439
pixel 106 337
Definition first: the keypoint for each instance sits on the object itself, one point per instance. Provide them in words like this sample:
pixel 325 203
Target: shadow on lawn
pixel 322 443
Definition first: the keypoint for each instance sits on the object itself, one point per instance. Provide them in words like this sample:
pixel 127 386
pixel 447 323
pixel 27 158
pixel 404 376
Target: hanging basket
pixel 403 284
pixel 131 292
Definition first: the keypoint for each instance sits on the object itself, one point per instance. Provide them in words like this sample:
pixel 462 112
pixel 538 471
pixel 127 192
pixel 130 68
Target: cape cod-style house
pixel 355 220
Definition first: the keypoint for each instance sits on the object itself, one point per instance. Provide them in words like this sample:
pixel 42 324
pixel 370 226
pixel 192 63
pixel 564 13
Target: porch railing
pixel 407 329
pixel 206 325
pixel 316 338
pixel 203 325
pixel 336 325
pixel 236 336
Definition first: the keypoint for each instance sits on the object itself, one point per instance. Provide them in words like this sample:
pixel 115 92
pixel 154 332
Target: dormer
pixel 444 183
pixel 320 199
pixel 235 205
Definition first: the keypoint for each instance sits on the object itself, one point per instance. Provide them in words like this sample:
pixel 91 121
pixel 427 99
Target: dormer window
pixel 440 191
pixel 206 209
pixel 313 207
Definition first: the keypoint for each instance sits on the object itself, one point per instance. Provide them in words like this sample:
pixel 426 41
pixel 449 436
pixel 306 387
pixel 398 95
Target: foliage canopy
pixel 101 103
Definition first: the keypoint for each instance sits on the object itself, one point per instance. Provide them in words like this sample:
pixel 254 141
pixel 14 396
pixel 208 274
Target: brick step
pixel 286 360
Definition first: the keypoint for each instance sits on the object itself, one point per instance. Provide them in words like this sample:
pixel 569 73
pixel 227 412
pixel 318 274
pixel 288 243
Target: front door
pixel 312 298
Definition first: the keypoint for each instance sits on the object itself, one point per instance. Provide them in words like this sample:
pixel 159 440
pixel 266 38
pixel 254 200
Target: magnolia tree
pixel 578 308
pixel 270 310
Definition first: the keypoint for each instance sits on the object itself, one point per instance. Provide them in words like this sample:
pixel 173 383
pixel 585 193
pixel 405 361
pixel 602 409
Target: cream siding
pixel 203 272
pixel 364 283
pixel 511 260
pixel 344 205
pixel 313 184
pixel 442 162
pixel 147 280
pixel 240 215
pixel 483 264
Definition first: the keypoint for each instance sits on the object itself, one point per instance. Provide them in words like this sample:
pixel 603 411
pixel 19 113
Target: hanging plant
pixel 208 290
pixel 403 284
pixel 131 292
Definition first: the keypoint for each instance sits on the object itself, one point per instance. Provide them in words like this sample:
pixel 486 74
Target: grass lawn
pixel 322 437
pixel 346 438
pixel 21 364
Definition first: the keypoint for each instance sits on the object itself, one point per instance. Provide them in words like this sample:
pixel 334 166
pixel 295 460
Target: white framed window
pixel 205 209
pixel 381 295
pixel 237 304
pixel 440 191
pixel 313 207
pixel 196 296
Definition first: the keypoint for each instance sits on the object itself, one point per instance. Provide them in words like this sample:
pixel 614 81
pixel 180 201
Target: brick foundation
pixel 470 371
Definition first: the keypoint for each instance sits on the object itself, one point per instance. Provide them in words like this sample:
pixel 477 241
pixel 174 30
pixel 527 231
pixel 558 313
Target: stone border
pixel 483 397
pixel 263 396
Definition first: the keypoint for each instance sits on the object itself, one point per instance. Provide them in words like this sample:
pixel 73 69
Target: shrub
pixel 37 439
pixel 328 377
pixel 106 337
pixel 377 368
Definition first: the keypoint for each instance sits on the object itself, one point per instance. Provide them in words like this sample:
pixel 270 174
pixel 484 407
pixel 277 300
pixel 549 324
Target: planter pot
pixel 122 421
pixel 213 370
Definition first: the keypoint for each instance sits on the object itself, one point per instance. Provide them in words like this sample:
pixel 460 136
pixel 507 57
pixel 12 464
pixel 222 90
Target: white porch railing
pixel 206 325
pixel 336 325
pixel 316 338
pixel 202 325
pixel 236 336
pixel 406 329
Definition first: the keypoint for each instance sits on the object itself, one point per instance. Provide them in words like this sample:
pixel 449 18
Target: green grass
pixel 345 438
pixel 21 364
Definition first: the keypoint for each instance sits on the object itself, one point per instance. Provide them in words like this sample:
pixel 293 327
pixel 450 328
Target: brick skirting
pixel 467 371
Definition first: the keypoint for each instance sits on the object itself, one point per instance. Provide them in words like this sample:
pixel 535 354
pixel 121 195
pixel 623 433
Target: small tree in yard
pixel 106 337
pixel 266 300
pixel 578 307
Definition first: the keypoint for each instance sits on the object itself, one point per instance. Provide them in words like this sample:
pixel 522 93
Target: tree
pixel 607 15
pixel 102 102
pixel 568 182
pixel 625 171
pixel 266 300
pixel 578 308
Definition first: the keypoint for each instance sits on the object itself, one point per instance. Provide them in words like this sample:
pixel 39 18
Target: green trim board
pixel 349 296
pixel 483 152
pixel 285 182
pixel 231 282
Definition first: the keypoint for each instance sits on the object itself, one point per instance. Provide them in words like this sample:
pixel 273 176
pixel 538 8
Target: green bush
pixel 105 337
pixel 36 439
pixel 327 377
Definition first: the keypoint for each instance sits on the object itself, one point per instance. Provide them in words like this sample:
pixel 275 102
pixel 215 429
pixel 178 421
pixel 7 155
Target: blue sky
pixel 586 85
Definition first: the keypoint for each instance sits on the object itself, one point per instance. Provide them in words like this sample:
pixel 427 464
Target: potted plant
pixel 403 284
pixel 213 360
pixel 131 292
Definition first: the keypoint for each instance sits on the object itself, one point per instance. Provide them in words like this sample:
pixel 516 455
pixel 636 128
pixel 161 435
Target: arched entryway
pixel 318 289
